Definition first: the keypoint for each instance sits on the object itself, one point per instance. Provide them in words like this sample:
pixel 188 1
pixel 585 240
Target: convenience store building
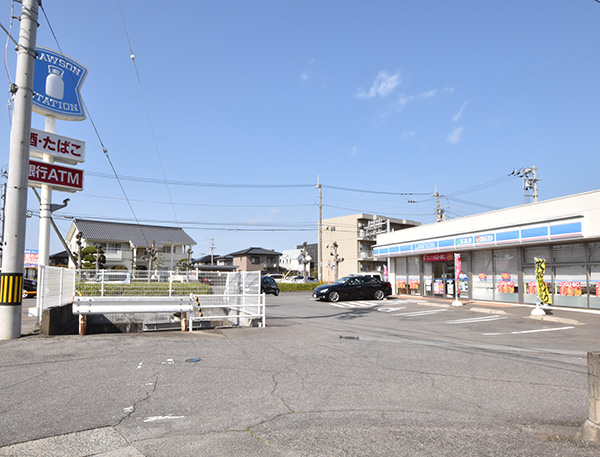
pixel 495 253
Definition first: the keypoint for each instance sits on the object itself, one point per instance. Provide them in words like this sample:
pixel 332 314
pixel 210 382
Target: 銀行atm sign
pixel 61 178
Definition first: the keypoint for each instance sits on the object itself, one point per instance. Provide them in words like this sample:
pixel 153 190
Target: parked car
pixel 112 276
pixel 29 287
pixel 301 279
pixel 353 287
pixel 268 286
pixel 276 276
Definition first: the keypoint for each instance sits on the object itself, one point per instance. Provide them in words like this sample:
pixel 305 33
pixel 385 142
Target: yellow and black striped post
pixel 11 289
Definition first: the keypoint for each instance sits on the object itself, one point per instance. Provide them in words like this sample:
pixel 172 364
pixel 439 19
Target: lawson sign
pixel 57 83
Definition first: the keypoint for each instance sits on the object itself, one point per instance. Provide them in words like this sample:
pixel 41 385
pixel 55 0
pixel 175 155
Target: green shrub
pixel 159 289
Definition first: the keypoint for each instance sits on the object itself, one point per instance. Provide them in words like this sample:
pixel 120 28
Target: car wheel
pixel 379 294
pixel 333 296
pixel 276 292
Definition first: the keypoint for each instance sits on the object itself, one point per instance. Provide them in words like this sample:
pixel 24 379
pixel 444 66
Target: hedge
pixel 159 289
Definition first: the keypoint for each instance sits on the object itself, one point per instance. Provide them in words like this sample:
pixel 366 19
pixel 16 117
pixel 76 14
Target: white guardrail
pixel 239 310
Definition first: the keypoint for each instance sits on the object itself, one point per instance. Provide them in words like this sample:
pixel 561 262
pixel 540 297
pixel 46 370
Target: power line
pixel 372 191
pixel 132 56
pixel 202 184
pixel 208 205
pixel 89 115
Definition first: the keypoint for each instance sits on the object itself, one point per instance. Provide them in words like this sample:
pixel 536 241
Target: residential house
pixel 127 244
pixel 257 259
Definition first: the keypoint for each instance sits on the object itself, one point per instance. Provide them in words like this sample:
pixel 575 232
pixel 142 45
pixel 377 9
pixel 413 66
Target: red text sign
pixel 63 178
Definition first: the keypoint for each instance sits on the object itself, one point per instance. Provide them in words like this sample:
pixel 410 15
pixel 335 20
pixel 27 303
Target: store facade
pixel 494 254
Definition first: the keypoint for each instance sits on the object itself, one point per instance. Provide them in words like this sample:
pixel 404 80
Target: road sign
pixel 60 178
pixel 62 148
pixel 56 85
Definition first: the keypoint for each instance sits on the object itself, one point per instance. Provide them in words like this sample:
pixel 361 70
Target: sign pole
pixel 11 279
pixel 457 269
pixel 45 204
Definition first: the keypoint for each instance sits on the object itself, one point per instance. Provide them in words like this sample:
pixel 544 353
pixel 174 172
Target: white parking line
pixel 476 319
pixel 420 313
pixel 530 331
pixel 352 304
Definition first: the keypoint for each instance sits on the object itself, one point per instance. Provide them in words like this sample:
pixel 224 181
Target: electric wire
pixel 151 125
pixel 372 191
pixel 202 184
pixel 89 115
pixel 208 205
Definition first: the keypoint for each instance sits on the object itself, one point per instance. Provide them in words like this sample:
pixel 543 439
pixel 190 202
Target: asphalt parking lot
pixel 319 380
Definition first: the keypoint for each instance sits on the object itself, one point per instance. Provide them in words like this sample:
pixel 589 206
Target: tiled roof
pixel 254 251
pixel 138 235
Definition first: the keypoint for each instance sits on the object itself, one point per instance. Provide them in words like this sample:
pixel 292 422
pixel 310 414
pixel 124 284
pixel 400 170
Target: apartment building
pixel 352 238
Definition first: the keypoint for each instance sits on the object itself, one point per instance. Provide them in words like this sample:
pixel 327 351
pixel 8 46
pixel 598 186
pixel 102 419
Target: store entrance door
pixel 443 279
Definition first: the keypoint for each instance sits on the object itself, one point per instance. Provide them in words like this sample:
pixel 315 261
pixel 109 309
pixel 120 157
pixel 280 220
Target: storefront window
pixel 570 286
pixel 483 275
pixel 507 275
pixel 569 253
pixel 530 284
pixel 594 287
pixel 536 252
pixel 594 252
pixel 401 276
pixel 414 275
pixel 428 278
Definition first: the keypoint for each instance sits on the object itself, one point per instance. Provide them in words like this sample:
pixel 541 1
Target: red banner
pixel 446 257
pixel 67 178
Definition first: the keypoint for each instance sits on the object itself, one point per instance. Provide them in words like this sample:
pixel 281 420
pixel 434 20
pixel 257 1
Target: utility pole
pixel 212 250
pixel 439 211
pixel 11 278
pixel 530 180
pixel 320 247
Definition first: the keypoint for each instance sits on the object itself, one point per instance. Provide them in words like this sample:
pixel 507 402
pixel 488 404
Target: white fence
pixel 55 287
pixel 235 309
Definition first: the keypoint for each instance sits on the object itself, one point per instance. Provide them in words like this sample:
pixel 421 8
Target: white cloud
pixel 383 86
pixel 307 71
pixel 456 135
pixel 458 115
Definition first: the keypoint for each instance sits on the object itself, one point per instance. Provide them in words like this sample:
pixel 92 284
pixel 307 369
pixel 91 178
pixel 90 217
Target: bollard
pixel 82 324
pixel 590 430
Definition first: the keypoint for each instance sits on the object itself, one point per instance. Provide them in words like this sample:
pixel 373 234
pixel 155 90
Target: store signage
pixel 61 178
pixel 484 239
pixel 62 148
pixel 31 257
pixel 446 257
pixel 56 84
pixel 570 288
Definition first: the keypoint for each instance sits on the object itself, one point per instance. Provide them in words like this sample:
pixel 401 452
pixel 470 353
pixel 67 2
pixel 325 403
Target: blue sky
pixel 383 96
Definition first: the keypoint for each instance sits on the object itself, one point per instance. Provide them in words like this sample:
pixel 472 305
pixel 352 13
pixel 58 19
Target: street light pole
pixel 11 281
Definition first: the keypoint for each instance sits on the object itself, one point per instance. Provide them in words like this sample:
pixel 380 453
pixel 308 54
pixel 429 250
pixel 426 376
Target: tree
pixel 92 257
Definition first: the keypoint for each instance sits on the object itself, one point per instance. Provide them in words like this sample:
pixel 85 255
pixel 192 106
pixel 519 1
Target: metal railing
pixel 55 287
pixel 236 309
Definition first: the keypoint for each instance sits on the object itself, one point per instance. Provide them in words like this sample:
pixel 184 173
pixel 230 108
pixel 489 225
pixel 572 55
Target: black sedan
pixel 268 286
pixel 354 287
pixel 29 287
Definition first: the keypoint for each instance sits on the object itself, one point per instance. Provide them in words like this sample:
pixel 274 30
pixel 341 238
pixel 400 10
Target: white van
pixel 112 277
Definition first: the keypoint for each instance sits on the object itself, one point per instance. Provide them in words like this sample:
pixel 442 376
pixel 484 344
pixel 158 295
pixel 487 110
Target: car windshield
pixel 342 280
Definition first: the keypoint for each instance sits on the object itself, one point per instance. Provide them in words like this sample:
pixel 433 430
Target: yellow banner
pixel 542 288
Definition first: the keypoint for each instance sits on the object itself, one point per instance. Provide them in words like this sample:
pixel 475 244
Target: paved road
pixel 398 377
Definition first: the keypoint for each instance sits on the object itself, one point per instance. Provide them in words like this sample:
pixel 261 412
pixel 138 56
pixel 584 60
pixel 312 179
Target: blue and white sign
pixel 56 85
